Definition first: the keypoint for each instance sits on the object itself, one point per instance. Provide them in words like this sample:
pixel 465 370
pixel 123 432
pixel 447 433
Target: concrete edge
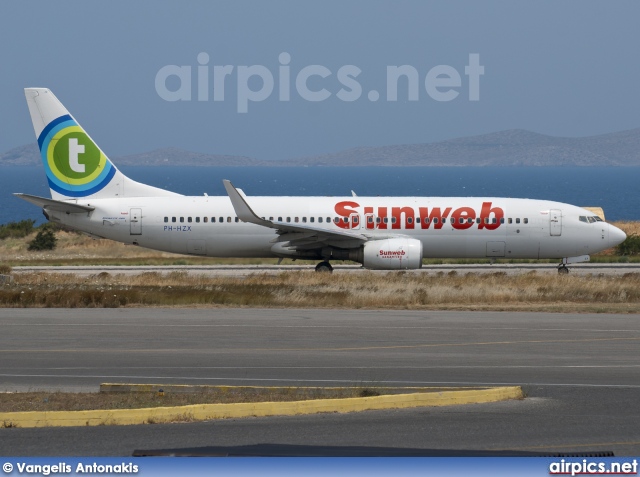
pixel 114 388
pixel 201 412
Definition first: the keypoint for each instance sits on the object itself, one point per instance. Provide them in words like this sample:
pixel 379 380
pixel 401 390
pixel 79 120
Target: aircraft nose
pixel 616 236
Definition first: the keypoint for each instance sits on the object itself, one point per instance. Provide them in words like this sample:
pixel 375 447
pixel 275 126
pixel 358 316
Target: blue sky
pixel 565 68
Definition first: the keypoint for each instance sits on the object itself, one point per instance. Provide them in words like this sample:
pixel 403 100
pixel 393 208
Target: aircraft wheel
pixel 324 267
pixel 563 270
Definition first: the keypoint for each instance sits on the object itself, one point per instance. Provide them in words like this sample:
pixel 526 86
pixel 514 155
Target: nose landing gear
pixel 562 268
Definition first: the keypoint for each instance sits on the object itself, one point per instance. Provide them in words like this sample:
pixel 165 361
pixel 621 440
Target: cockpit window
pixel 590 220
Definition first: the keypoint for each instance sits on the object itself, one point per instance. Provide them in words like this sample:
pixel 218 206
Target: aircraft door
pixel 555 222
pixel 135 219
pixel 354 221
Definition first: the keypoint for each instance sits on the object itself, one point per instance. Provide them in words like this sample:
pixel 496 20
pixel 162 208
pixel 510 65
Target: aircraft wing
pixel 57 205
pixel 300 236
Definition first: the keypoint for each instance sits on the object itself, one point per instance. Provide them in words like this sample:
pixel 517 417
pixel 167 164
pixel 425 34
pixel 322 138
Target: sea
pixel 615 189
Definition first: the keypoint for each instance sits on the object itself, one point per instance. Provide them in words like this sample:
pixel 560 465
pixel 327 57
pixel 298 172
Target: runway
pixel 240 271
pixel 581 373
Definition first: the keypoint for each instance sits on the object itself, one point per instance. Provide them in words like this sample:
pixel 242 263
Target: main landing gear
pixel 324 267
pixel 562 269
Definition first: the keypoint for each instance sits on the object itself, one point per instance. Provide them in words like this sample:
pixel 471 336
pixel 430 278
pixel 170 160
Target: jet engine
pixel 389 254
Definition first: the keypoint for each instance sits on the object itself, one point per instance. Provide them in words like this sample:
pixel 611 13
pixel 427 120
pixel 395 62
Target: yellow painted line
pixel 201 412
pixel 361 348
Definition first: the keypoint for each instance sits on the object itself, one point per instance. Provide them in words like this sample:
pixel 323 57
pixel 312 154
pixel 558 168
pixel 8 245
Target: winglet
pixel 243 211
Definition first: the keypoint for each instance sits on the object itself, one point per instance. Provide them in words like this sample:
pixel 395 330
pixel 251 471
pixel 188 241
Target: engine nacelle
pixel 392 254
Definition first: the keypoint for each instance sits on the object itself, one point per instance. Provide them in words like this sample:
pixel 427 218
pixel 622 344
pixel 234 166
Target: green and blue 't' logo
pixel 75 166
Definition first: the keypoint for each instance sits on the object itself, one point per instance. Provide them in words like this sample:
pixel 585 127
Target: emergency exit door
pixel 555 222
pixel 135 219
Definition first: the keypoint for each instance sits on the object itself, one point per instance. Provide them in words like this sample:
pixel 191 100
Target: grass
pixel 306 289
pixel 60 401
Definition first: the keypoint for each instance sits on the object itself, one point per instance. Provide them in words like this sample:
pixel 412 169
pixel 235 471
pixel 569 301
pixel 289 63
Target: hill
pixel 515 147
pixel 29 155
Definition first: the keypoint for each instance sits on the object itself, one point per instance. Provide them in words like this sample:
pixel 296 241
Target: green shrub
pixel 631 246
pixel 45 240
pixel 16 229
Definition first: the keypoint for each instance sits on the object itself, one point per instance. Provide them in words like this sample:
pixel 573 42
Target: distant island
pixel 515 147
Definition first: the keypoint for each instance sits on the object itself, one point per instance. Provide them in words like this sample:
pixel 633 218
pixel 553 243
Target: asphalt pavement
pixel 581 373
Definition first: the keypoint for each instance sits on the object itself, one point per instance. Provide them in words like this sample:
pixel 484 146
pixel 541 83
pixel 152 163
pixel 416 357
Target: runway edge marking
pixel 202 412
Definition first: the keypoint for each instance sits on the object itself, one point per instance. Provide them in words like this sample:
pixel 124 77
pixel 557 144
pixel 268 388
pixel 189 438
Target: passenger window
pixel 319 220
pixel 469 220
pixel 378 220
pixel 393 220
pixel 356 220
pixel 189 219
pixel 205 219
pixel 237 220
pixel 444 220
pixel 517 221
pixel 526 221
pixel 228 219
pixel 279 219
pixel 369 220
pixel 271 219
pixel 494 221
pixel 328 219
pixel 198 220
pixel 502 220
pixel 409 220
pixel 288 219
pixel 386 220
pixel 486 220
pixel 297 220
pixel 336 220
pixel 173 219
pixel 435 220
pixel 311 219
pixel 510 220
pixel 220 219
pixel 166 219
pixel 426 220
pixel 304 220
pixel 181 219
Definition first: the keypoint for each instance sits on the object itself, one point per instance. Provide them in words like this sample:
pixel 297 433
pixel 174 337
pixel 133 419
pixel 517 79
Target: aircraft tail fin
pixel 75 166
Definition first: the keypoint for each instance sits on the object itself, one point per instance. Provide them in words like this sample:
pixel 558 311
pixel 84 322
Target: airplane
pixel 90 194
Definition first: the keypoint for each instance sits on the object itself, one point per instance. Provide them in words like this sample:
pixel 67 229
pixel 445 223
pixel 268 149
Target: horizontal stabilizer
pixel 56 205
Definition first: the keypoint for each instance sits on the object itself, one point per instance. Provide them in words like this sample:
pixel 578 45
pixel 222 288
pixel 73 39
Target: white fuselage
pixel 473 227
